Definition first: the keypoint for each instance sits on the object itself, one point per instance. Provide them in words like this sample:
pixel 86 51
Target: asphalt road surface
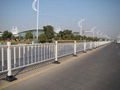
pixel 98 70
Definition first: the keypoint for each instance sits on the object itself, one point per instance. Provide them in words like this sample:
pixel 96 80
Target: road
pixel 96 70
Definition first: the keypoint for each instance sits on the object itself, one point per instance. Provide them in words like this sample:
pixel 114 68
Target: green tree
pixel 28 35
pixel 84 38
pixel 77 37
pixel 95 39
pixel 57 37
pixel 66 35
pixel 7 35
pixel 42 38
pixel 0 38
pixel 49 32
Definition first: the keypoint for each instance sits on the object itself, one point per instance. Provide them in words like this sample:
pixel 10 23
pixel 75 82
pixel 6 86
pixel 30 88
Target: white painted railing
pixel 18 56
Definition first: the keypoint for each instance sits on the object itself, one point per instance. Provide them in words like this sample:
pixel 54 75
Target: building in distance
pixel 33 31
pixel 76 33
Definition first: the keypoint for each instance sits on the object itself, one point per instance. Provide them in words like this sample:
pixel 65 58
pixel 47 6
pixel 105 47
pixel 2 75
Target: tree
pixel 42 38
pixel 0 38
pixel 90 38
pixel 7 35
pixel 61 34
pixel 84 37
pixel 57 36
pixel 66 35
pixel 28 35
pixel 77 37
pixel 96 39
pixel 49 32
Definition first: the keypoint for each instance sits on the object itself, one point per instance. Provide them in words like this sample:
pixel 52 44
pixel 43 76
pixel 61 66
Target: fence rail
pixel 18 56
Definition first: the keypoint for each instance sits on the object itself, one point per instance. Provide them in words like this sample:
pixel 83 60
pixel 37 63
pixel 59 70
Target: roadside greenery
pixel 7 35
pixel 42 38
pixel 0 38
pixel 49 35
pixel 28 36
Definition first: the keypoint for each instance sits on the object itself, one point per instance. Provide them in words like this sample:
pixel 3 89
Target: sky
pixel 64 14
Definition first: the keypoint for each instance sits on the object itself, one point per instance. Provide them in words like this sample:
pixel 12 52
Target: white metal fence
pixel 18 56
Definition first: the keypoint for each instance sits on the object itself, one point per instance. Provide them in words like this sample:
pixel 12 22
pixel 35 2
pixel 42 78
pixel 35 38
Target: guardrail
pixel 17 56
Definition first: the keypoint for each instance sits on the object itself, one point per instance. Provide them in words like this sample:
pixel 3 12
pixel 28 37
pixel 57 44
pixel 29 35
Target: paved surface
pixel 96 70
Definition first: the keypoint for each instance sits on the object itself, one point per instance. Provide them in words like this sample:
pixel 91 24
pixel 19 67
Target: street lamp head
pixel 80 25
pixel 34 5
pixel 80 22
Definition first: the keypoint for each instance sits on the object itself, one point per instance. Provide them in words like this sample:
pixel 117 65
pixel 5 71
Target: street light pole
pixel 93 31
pixel 37 11
pixel 80 25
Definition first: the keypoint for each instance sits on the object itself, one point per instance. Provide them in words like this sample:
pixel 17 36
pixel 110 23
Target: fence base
pixel 94 47
pixel 91 49
pixel 11 78
pixel 74 55
pixel 84 51
pixel 56 62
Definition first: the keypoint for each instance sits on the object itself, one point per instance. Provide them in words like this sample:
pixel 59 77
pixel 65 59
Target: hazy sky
pixel 104 14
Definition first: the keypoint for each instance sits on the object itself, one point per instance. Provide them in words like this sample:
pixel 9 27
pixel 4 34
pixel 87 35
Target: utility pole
pixel 36 9
pixel 93 31
pixel 80 24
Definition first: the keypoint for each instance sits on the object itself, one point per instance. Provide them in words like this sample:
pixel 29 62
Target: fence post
pixel 94 44
pixel 84 47
pixel 91 45
pixel 56 53
pixel 97 44
pixel 75 49
pixel 9 76
pixel 33 42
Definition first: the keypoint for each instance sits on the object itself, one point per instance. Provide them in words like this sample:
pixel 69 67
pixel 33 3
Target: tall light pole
pixel 80 24
pixel 93 31
pixel 36 9
pixel 98 34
